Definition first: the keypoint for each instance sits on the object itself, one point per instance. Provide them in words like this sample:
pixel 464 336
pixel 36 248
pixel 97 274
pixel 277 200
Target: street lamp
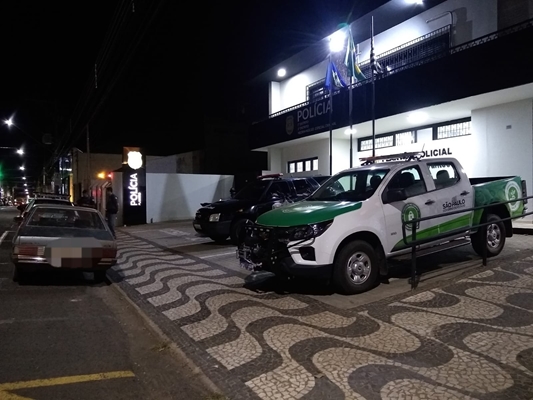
pixel 20 151
pixel 8 122
pixel 336 41
pixel 22 168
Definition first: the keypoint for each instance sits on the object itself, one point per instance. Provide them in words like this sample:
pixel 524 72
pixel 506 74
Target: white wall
pixel 275 97
pixel 501 143
pixel 293 91
pixel 178 196
pixel 341 155
pixel 275 161
pixel 507 147
pixel 161 164
pixel 472 19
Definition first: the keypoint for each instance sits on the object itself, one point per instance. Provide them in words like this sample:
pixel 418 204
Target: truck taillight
pixel 524 191
pixel 24 250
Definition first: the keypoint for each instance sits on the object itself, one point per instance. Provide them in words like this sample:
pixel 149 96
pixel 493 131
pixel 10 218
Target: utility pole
pixel 88 160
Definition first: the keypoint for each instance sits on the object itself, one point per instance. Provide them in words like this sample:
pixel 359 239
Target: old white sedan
pixel 63 236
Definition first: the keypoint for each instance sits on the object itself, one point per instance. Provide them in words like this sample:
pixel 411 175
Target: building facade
pixel 454 80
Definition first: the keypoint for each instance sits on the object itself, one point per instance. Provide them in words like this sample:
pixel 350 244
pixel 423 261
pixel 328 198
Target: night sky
pixel 168 66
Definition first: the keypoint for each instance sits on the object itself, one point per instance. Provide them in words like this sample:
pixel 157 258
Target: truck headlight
pixel 310 231
pixel 214 217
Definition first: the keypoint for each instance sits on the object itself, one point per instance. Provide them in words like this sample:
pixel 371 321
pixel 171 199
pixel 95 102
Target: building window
pixel 459 128
pixel 308 164
pixel 292 168
pixel 316 91
pixel 381 142
pixel 405 138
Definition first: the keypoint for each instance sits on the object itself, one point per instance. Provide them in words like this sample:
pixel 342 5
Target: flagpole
pixel 372 66
pixel 330 122
pixel 350 116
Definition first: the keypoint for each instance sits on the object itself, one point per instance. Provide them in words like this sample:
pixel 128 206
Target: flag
pixel 349 61
pixel 333 78
pixel 374 64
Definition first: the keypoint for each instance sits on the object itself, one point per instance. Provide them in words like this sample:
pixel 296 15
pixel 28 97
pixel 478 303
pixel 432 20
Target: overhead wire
pixel 139 35
pixel 110 37
pixel 118 22
pixel 124 63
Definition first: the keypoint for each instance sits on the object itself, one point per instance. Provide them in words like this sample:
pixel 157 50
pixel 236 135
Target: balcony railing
pixel 412 54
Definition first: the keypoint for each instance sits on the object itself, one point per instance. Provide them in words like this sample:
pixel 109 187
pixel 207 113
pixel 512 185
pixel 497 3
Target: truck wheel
pixel 356 268
pixel 491 236
pixel 237 231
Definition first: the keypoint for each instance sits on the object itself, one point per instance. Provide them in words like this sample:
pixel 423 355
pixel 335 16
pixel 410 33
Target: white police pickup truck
pixel 348 228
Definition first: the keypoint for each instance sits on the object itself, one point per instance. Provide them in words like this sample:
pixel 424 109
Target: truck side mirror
pixel 20 207
pixel 393 195
pixel 18 219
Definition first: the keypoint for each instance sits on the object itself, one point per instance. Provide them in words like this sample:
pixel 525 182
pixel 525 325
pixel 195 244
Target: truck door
pixel 415 206
pixel 453 192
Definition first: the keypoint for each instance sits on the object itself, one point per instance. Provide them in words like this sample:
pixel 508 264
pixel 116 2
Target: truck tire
pixel 491 236
pixel 356 268
pixel 237 231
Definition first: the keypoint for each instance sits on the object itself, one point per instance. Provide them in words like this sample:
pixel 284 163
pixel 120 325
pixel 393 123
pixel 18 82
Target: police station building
pixel 452 78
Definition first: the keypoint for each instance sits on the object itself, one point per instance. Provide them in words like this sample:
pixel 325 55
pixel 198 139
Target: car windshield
pixel 65 218
pixel 355 185
pixel 253 191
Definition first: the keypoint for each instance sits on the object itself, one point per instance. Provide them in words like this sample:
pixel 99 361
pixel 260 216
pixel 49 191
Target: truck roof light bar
pixel 407 156
pixel 270 176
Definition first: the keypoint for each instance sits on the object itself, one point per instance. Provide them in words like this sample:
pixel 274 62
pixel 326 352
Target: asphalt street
pixel 65 337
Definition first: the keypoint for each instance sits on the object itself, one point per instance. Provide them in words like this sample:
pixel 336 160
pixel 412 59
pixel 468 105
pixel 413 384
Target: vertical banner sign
pixel 134 186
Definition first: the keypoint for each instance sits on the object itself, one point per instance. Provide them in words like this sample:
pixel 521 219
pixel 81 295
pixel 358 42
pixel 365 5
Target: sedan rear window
pixel 64 218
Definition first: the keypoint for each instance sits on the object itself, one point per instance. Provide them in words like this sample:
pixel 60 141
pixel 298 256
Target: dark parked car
pixel 225 218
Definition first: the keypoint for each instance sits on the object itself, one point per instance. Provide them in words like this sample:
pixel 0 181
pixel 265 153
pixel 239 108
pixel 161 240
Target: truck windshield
pixel 253 191
pixel 350 186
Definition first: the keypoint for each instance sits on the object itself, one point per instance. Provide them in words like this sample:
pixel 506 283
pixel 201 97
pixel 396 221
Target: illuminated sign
pixel 135 195
pixel 133 186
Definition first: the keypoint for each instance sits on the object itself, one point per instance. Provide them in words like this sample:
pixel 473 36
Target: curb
pixel 178 353
pixel 523 231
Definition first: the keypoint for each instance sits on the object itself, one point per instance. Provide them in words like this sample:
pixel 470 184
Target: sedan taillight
pixel 26 250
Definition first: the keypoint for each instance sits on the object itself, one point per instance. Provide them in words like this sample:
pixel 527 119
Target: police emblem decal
pixel 289 125
pixel 135 159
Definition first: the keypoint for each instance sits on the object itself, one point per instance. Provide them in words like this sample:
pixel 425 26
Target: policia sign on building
pixel 134 186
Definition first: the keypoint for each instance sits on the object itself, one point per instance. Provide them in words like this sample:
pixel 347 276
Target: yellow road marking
pixel 11 396
pixel 65 380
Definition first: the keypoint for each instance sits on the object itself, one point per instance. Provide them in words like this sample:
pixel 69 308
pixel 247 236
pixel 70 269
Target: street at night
pixel 65 337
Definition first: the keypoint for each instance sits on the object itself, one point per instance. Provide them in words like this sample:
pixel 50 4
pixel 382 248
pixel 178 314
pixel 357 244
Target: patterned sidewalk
pixel 472 339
